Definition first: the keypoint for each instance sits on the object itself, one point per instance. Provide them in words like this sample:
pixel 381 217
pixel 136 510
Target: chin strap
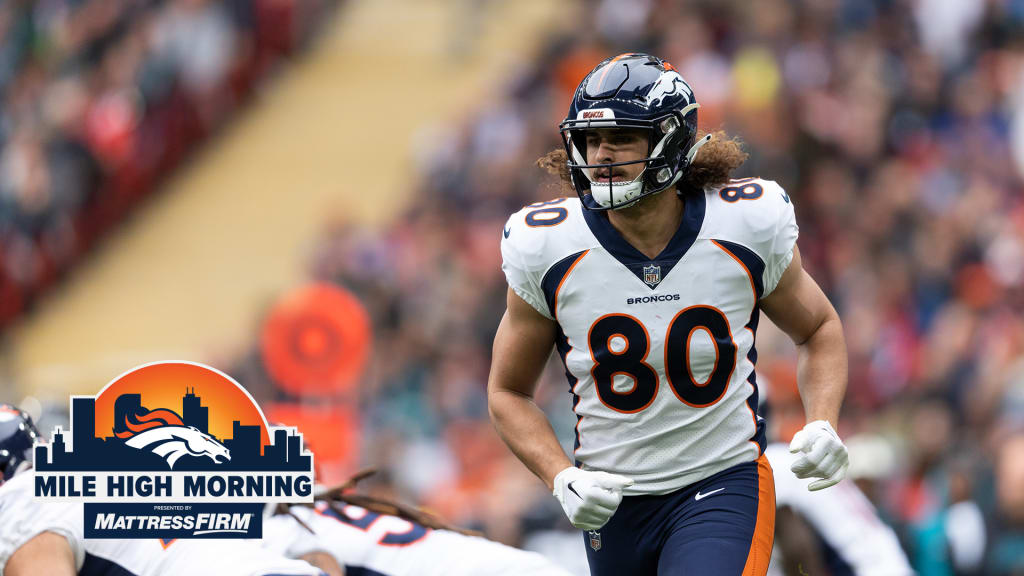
pixel 696 148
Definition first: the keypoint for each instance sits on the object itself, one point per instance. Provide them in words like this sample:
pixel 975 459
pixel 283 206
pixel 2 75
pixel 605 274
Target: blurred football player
pixel 832 532
pixel 369 535
pixel 47 538
pixel 650 285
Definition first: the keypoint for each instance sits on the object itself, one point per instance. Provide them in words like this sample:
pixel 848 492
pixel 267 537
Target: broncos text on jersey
pixel 659 353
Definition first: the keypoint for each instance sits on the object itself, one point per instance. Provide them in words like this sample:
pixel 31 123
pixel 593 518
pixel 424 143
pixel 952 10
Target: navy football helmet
pixel 17 434
pixel 632 91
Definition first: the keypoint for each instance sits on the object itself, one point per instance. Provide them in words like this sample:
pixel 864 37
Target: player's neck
pixel 650 224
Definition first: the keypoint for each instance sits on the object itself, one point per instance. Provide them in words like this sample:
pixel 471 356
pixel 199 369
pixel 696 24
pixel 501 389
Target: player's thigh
pixel 628 543
pixel 730 531
pixel 618 553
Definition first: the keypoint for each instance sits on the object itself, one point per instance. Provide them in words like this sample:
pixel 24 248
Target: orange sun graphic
pixel 164 385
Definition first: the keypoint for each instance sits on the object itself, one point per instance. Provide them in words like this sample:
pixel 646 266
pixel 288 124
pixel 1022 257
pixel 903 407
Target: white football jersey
pixel 844 519
pixel 659 352
pixel 392 546
pixel 24 519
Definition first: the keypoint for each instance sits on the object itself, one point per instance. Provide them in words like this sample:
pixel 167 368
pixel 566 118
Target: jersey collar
pixel 633 259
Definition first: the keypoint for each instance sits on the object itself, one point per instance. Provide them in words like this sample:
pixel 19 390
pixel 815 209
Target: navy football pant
pixel 728 531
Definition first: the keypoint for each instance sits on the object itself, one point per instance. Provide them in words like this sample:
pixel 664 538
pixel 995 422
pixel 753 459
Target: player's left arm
pixel 801 310
pixel 799 307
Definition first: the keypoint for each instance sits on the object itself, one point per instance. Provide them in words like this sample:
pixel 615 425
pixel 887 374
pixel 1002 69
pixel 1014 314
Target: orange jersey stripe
pixel 742 265
pixel 753 288
pixel 554 309
pixel 764 528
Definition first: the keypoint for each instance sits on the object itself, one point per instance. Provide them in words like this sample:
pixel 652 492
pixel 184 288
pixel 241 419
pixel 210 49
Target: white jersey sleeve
pixel 523 279
pixel 758 215
pixel 284 535
pixel 843 517
pixel 229 558
pixel 522 271
pixel 24 519
pixel 534 240
pixel 783 238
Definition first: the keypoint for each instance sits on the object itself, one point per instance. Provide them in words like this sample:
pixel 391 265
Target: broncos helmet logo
pixel 668 84
pixel 163 433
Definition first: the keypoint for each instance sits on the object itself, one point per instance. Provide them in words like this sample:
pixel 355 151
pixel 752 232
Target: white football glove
pixel 589 498
pixel 822 455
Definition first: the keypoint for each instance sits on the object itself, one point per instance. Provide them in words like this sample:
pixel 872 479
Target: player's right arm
pixel 522 346
pixel 47 554
pixel 521 349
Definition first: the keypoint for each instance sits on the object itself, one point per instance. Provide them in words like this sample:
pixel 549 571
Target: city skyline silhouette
pixel 92 453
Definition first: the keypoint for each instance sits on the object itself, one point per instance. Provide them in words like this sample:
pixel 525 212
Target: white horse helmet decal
pixel 668 84
pixel 173 442
pixel 162 432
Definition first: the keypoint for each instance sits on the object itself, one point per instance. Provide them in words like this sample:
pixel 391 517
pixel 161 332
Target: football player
pixel 47 539
pixel 650 285
pixel 834 532
pixel 375 536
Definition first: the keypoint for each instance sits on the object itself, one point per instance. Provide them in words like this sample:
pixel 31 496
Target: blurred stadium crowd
pixel 889 122
pixel 101 98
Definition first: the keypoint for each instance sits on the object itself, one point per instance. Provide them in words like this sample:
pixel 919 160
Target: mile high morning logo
pixel 172 450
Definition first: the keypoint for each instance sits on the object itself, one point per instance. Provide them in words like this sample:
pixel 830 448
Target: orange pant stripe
pixel 764 529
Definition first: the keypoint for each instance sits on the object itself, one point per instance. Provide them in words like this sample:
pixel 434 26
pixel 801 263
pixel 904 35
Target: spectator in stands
pixel 100 98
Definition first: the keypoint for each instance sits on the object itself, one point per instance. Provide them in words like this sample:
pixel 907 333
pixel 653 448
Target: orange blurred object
pixel 573 67
pixel 316 341
pixel 330 432
pixel 977 288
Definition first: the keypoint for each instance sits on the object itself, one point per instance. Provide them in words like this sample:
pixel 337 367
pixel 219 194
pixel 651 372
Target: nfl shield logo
pixel 652 275
pixel 595 540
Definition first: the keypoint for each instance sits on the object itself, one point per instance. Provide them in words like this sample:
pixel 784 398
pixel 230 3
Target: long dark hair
pixel 339 495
